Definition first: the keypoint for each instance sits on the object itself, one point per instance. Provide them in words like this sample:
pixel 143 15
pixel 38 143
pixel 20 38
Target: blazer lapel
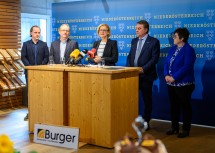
pixel 134 48
pixel 38 47
pixel 32 47
pixel 106 47
pixel 145 45
pixel 67 47
pixel 58 48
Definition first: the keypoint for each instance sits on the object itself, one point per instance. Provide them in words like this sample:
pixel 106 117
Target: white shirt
pixel 62 48
pixel 101 48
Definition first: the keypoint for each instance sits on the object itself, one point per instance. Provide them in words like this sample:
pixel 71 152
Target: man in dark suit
pixel 34 51
pixel 61 49
pixel 144 53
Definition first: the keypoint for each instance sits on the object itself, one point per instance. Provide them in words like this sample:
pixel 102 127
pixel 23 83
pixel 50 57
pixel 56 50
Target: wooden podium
pixel 102 102
pixel 47 95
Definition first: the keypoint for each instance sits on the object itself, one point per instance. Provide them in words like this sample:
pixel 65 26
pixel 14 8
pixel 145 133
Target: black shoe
pixel 172 131
pixel 26 117
pixel 148 126
pixel 183 134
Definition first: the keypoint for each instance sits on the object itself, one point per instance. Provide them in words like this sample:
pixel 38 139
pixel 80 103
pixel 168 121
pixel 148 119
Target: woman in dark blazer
pixel 179 76
pixel 106 49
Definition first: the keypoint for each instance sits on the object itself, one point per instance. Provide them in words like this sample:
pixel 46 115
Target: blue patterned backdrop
pixel 164 17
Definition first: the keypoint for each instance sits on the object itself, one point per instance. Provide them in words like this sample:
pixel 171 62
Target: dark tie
pixel 35 53
pixel 138 51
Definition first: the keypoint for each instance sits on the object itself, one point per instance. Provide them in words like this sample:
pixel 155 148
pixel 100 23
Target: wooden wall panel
pixel 10 38
pixel 10 24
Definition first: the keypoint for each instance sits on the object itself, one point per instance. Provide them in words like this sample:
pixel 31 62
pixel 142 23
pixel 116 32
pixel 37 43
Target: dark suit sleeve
pixel 24 55
pixel 95 45
pixel 114 53
pixel 46 57
pixel 73 46
pixel 76 45
pixel 155 56
pixel 55 52
pixel 128 61
pixel 51 54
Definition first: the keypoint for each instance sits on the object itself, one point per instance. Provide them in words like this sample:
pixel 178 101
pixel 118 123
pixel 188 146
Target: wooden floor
pixel 201 140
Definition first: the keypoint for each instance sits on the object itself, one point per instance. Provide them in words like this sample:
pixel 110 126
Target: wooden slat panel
pixel 10 4
pixel 10 38
pixel 8 11
pixel 10 14
pixel 9 34
pixel 9 17
pixel 11 1
pixel 10 20
pixel 10 44
pixel 10 24
pixel 10 7
pixel 17 30
pixel 12 47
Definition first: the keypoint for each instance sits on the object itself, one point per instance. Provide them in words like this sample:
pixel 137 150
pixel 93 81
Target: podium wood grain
pixel 47 96
pixel 103 103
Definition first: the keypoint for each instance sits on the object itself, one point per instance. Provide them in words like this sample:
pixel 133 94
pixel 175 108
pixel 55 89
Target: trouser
pixel 145 87
pixel 26 89
pixel 180 101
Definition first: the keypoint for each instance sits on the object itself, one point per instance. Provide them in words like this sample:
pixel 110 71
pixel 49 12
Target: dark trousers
pixel 145 86
pixel 26 90
pixel 180 101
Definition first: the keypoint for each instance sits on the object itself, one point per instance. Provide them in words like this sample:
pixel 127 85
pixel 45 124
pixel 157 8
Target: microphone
pixel 91 55
pixel 73 56
pixel 81 55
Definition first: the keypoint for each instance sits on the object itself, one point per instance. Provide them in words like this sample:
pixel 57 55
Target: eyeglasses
pixel 65 30
pixel 174 36
pixel 102 30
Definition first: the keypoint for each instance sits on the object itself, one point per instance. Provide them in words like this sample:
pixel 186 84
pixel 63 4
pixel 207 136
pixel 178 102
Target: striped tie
pixel 138 51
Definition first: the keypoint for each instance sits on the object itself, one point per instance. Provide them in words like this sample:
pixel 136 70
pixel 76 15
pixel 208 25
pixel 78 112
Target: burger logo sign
pixel 56 136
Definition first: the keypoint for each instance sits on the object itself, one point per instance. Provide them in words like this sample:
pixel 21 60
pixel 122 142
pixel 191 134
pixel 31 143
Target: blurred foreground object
pixel 145 144
pixel 6 146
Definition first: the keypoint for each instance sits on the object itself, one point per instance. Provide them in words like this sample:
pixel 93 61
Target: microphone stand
pixel 67 62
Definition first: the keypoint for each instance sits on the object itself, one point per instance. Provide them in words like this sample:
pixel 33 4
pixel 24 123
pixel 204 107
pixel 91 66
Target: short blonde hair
pixel 107 26
pixel 64 25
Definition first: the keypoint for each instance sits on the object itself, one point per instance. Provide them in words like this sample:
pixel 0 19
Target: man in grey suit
pixel 61 49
